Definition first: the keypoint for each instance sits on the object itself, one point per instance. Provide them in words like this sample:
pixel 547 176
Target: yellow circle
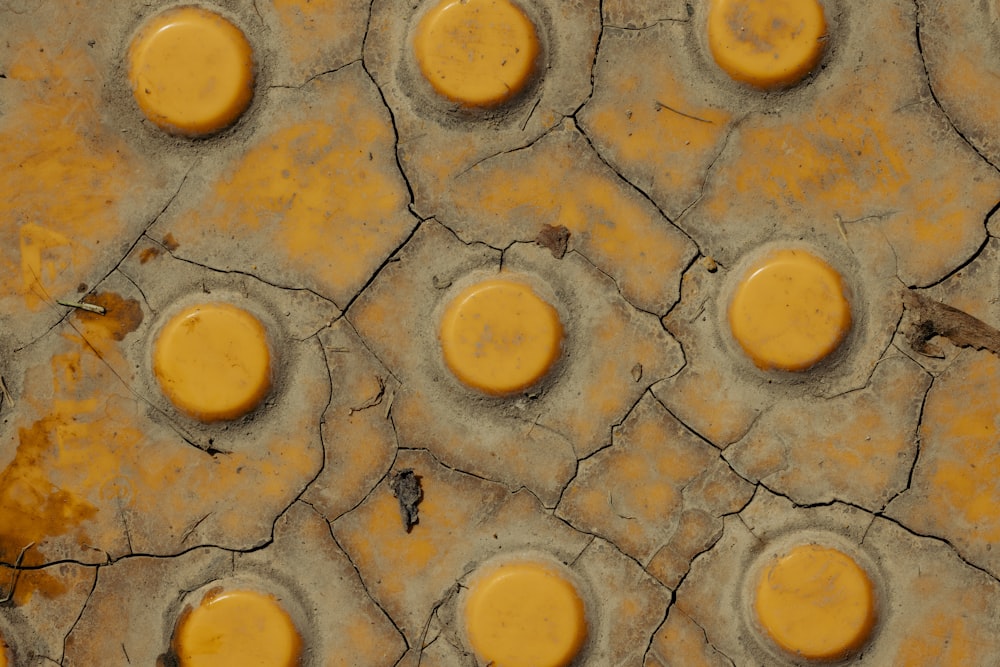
pixel 500 337
pixel 191 71
pixel 237 629
pixel 213 362
pixel 525 615
pixel 790 312
pixel 3 652
pixel 478 53
pixel 766 43
pixel 816 602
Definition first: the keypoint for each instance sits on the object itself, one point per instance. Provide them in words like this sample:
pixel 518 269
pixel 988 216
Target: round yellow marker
pixel 816 602
pixel 3 652
pixel 213 361
pixel 766 43
pixel 525 615
pixel 191 71
pixel 500 337
pixel 790 312
pixel 477 53
pixel 237 629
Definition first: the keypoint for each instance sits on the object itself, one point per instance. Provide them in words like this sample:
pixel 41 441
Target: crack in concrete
pixel 918 19
pixel 83 608
pixel 313 77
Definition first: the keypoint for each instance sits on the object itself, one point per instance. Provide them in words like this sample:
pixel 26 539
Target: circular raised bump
pixel 191 71
pixel 789 311
pixel 213 361
pixel 816 602
pixel 500 337
pixel 237 629
pixel 766 43
pixel 525 614
pixel 477 53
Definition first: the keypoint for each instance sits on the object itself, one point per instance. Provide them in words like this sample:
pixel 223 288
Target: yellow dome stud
pixel 477 53
pixel 237 629
pixel 767 43
pixel 790 311
pixel 816 602
pixel 499 337
pixel 525 614
pixel 191 71
pixel 213 361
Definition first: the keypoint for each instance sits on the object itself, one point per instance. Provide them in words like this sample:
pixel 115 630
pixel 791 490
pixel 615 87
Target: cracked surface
pixel 630 184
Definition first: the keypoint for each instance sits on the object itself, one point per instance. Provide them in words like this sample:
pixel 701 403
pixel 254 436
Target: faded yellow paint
pixel 313 192
pixel 478 53
pixel 525 614
pixel 681 643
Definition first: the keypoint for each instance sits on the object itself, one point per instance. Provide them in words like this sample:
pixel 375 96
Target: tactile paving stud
pixel 213 361
pixel 499 337
pixel 525 614
pixel 816 602
pixel 789 311
pixel 191 71
pixel 3 652
pixel 237 629
pixel 766 43
pixel 477 53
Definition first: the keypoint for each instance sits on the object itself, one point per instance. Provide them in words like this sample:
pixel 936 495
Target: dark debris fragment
pixel 406 487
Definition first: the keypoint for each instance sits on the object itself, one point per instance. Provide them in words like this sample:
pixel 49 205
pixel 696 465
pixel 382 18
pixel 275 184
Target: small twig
pixel 17 574
pixel 89 307
pixel 6 392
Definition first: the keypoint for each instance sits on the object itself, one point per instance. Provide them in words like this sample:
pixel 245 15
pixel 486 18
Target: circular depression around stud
pixel 789 311
pixel 499 337
pixel 815 602
pixel 237 629
pixel 213 361
pixel 525 614
pixel 477 53
pixel 766 43
pixel 191 71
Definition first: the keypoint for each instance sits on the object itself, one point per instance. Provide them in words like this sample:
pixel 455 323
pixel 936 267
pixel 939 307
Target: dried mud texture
pixel 720 393
pixel 439 140
pixel 97 464
pixel 558 181
pixel 860 147
pixel 857 448
pixel 954 489
pixel 958 44
pixel 658 492
pixel 302 568
pixel 566 417
pixel 919 581
pixel 307 203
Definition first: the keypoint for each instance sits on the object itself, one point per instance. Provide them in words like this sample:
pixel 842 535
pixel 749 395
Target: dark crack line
pixel 930 87
pixel 511 151
pixel 734 126
pixel 660 105
pixel 86 603
pixel 975 256
pixel 313 77
pixel 52 301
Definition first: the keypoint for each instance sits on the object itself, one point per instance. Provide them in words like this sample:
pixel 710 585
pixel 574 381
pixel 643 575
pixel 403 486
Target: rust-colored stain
pixel 148 254
pixel 122 316
pixel 170 243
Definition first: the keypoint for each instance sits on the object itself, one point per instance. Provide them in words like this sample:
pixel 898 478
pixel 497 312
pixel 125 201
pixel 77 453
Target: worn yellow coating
pixel 191 71
pixel 816 602
pixel 789 311
pixel 237 629
pixel 478 53
pixel 525 614
pixel 766 43
pixel 213 361
pixel 3 653
pixel 499 337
